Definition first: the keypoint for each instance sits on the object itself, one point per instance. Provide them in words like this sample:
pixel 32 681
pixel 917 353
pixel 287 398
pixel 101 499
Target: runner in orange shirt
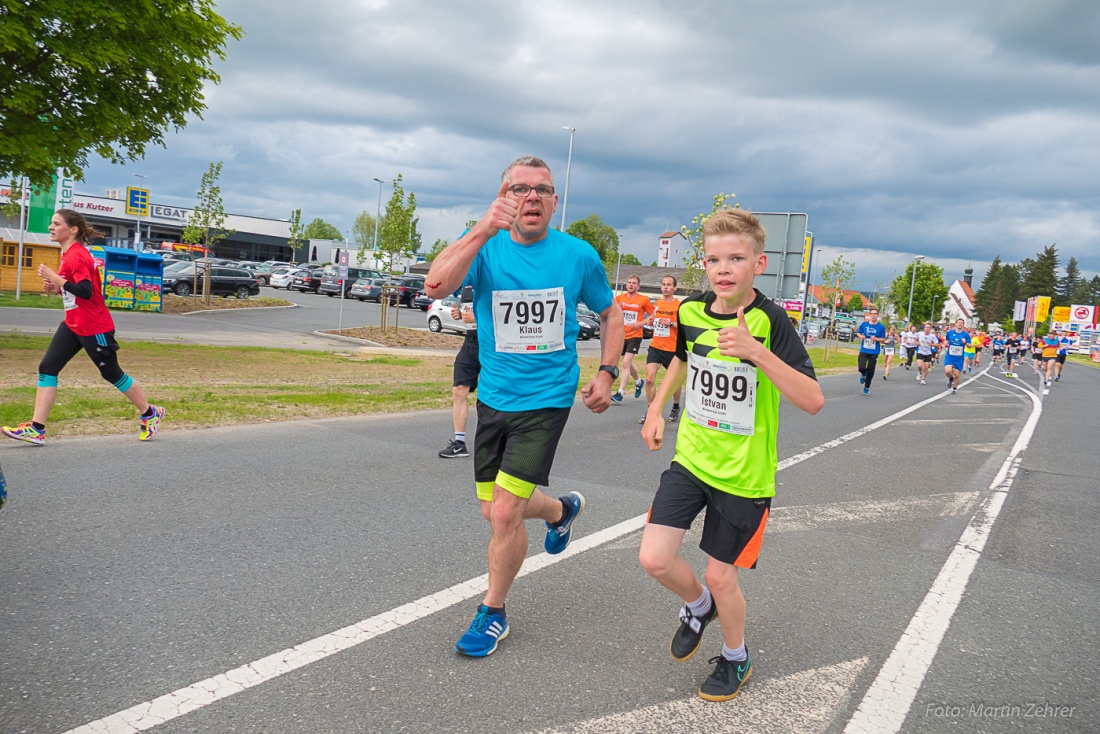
pixel 637 311
pixel 662 348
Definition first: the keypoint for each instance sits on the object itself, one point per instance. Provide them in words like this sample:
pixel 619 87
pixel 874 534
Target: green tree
pixel 399 237
pixel 928 288
pixel 437 247
pixel 837 277
pixel 1093 292
pixel 362 234
pixel 602 236
pixel 204 225
pixel 319 229
pixel 993 302
pixel 695 277
pixel 295 242
pixel 82 76
pixel 1039 276
pixel 855 303
pixel 1067 286
pixel 629 259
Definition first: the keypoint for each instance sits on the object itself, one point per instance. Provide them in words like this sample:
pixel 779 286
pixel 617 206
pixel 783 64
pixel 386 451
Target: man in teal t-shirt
pixel 527 281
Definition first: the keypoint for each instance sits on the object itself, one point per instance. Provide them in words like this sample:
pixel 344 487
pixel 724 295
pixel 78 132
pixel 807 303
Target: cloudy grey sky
pixel 954 129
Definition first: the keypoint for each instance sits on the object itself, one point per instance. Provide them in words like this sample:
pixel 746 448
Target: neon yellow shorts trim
pixel 507 482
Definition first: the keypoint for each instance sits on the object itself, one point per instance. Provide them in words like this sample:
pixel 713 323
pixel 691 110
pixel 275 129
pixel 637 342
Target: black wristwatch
pixel 611 370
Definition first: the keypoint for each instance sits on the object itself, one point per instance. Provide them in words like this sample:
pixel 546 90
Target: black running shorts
pixel 733 526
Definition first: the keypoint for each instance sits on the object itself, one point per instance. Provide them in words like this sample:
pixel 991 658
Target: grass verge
pixel 202 386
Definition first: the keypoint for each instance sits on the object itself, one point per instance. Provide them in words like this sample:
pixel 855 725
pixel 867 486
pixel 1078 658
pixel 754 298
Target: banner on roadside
pixel 1019 310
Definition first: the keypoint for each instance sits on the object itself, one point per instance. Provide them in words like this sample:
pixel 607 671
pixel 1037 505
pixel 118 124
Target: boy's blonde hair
pixel 739 222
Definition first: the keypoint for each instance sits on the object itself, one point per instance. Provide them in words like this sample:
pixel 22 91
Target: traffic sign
pixel 137 201
pixel 342 266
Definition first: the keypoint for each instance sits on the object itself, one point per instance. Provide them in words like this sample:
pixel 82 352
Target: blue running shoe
pixel 860 378
pixel 487 629
pixel 639 385
pixel 558 536
pixel 617 398
pixel 866 391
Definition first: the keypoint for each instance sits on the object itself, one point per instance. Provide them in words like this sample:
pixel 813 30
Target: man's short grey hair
pixel 529 161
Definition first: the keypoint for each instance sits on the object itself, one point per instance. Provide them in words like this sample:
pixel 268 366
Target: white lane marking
pixel 803 702
pixel 891 695
pixel 148 714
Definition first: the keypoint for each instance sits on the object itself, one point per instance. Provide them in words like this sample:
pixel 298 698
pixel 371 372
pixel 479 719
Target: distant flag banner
pixel 1019 310
pixel 1043 308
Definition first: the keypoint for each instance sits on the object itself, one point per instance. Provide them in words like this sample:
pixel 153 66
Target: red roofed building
pixel 961 300
pixel 672 247
pixel 819 306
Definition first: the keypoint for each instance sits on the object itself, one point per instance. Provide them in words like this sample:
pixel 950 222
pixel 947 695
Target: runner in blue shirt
pixel 873 334
pixel 954 359
pixel 527 280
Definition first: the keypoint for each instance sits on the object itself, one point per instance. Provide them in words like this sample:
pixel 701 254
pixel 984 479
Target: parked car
pixel 422 300
pixel 843 332
pixel 223 281
pixel 407 288
pixel 262 273
pixel 309 280
pixel 273 264
pixel 439 316
pixel 282 277
pixel 589 322
pixel 330 282
pixel 367 289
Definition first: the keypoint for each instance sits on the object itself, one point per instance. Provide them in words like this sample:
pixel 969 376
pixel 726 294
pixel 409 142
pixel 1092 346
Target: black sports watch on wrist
pixel 611 370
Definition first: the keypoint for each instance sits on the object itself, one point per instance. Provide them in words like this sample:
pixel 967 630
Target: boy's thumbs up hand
pixel 737 341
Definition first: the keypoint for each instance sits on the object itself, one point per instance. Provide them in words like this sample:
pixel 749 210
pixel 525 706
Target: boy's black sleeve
pixel 785 342
pixel 83 289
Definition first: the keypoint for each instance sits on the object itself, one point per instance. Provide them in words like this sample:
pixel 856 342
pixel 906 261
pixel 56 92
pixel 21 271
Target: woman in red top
pixel 88 325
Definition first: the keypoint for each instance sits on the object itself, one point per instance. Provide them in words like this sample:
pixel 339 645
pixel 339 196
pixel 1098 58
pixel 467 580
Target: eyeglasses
pixel 522 191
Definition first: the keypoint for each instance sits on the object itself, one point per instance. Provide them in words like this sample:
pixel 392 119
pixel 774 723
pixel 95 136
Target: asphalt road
pixel 924 571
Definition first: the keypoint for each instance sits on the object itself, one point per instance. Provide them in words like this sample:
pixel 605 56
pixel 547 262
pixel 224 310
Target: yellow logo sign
pixel 137 201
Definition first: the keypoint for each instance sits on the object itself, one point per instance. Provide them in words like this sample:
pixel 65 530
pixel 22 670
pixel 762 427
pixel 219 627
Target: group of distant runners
pixel 959 348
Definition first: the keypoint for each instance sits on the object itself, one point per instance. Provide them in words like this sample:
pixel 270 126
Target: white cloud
pixel 941 128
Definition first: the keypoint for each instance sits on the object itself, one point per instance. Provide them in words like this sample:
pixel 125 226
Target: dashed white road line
pixel 891 695
pixel 149 714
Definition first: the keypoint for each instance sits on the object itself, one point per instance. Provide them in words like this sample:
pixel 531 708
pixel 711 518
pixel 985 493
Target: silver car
pixel 439 316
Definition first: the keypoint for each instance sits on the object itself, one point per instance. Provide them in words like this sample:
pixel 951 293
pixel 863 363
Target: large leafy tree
pixel 319 229
pixel 400 236
pixel 929 292
pixel 89 76
pixel 363 232
pixel 602 236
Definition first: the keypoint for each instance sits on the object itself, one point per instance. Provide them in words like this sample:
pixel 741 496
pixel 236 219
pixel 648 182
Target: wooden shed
pixel 37 249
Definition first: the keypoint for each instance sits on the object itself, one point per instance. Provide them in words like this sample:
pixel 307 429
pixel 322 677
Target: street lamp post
pixel 568 165
pixel 913 282
pixel 932 313
pixel 137 232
